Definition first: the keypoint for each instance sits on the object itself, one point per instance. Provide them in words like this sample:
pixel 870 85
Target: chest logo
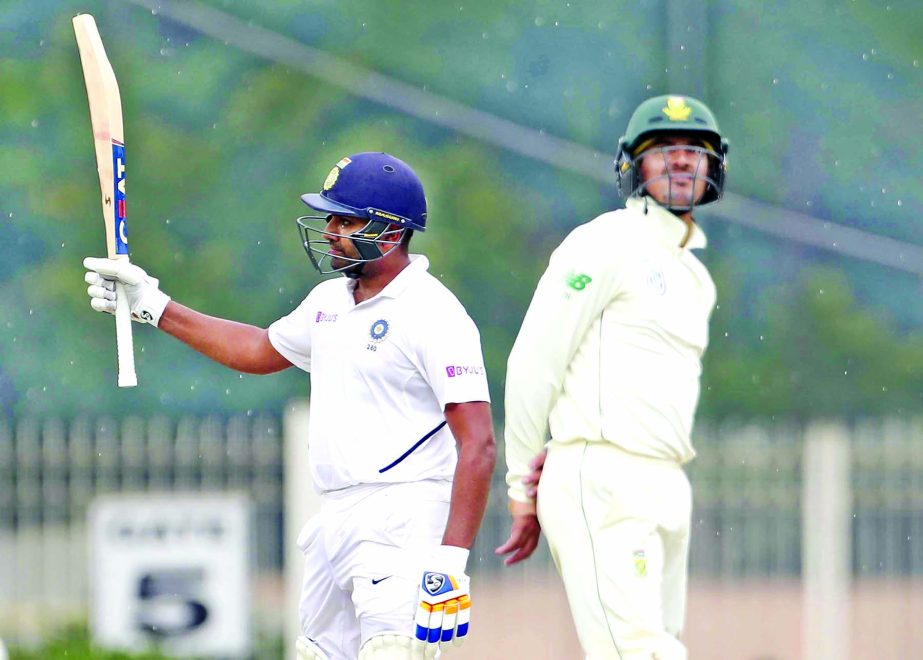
pixel 379 330
pixel 577 281
pixel 657 283
pixel 324 317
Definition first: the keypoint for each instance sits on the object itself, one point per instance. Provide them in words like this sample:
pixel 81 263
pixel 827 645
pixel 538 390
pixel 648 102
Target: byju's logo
pixel 457 370
pixel 323 317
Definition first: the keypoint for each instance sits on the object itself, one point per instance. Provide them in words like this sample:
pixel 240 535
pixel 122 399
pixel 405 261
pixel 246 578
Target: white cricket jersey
pixel 610 349
pixel 382 373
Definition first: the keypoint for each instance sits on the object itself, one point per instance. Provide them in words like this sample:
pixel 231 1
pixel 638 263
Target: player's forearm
pixel 469 492
pixel 531 387
pixel 236 345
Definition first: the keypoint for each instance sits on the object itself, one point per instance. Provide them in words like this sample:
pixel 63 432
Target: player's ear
pixel 387 246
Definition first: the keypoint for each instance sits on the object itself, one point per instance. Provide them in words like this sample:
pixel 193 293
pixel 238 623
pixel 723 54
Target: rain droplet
pixel 775 81
pixel 890 76
pixel 900 203
pixel 35 123
pixel 539 21
pixel 865 56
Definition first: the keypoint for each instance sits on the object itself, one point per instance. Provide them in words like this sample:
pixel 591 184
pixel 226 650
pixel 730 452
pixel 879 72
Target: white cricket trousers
pixel 364 555
pixel 618 528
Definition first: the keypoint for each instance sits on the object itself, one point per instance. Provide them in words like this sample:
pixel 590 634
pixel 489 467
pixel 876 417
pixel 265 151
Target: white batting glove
pixel 445 601
pixel 145 300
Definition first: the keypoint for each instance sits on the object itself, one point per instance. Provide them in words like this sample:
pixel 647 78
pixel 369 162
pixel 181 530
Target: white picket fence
pixel 823 503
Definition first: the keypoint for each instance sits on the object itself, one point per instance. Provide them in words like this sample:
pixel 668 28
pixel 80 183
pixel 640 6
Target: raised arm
pixel 236 345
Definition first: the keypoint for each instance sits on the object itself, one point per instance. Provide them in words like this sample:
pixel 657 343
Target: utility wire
pixel 529 142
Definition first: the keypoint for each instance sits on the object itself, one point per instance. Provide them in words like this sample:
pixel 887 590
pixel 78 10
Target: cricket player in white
pixel 608 361
pixel 402 445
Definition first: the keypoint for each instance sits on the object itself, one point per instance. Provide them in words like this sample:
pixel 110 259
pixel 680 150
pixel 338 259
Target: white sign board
pixel 172 570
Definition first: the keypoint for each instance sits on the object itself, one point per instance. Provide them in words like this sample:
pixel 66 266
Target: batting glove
pixel 145 300
pixel 445 601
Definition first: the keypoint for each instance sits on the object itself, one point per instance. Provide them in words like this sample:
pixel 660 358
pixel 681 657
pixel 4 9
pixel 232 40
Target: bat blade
pixel 109 141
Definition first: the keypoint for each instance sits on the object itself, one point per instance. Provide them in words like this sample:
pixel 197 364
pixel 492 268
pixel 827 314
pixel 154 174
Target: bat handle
pixel 123 340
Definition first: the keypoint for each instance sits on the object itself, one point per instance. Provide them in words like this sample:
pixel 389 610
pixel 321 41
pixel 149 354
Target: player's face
pixel 338 227
pixel 675 176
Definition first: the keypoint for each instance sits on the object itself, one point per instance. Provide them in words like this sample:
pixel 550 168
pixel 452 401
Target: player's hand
pixel 145 300
pixel 524 535
pixel 445 600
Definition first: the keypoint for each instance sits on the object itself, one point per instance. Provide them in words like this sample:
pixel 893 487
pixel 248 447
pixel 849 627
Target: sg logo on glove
pixel 434 582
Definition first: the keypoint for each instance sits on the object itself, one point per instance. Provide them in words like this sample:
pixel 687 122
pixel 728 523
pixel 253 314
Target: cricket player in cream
pixel 607 363
pixel 402 446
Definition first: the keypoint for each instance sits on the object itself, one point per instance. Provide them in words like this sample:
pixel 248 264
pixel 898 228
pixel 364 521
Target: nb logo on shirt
pixel 577 281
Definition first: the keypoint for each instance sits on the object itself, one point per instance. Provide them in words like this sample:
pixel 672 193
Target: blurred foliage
pixel 820 101
pixel 74 643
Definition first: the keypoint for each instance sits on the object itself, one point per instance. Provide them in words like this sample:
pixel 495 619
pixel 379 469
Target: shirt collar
pixel 418 265
pixel 668 228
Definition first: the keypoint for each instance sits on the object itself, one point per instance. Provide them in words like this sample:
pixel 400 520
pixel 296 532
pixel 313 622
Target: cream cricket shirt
pixel 382 373
pixel 611 346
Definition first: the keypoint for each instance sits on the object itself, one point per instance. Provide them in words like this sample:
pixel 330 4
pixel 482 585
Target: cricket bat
pixel 108 136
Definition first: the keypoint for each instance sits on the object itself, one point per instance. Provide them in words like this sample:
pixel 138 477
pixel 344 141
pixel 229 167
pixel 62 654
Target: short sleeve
pixel 291 335
pixel 452 360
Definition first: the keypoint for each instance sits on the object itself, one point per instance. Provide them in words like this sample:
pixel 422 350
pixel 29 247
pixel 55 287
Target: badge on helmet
pixel 671 115
pixel 374 186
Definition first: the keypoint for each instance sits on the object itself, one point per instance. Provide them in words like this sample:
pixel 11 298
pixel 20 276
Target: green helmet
pixel 668 114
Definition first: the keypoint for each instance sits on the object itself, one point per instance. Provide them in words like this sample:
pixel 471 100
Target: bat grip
pixel 123 340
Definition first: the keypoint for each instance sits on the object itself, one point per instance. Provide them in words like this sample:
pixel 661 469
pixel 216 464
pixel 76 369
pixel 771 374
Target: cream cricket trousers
pixel 618 528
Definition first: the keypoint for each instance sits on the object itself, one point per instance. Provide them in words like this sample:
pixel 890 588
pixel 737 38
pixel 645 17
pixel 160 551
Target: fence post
pixel 300 503
pixel 826 542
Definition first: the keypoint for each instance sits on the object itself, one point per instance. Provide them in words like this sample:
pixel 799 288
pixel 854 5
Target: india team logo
pixel 379 330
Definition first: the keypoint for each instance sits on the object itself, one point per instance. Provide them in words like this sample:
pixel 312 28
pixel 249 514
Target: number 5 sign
pixel 171 570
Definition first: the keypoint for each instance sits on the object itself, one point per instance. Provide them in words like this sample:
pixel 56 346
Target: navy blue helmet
pixel 375 186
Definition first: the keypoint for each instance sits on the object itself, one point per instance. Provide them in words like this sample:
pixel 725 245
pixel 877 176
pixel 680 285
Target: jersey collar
pixel 669 229
pixel 418 265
